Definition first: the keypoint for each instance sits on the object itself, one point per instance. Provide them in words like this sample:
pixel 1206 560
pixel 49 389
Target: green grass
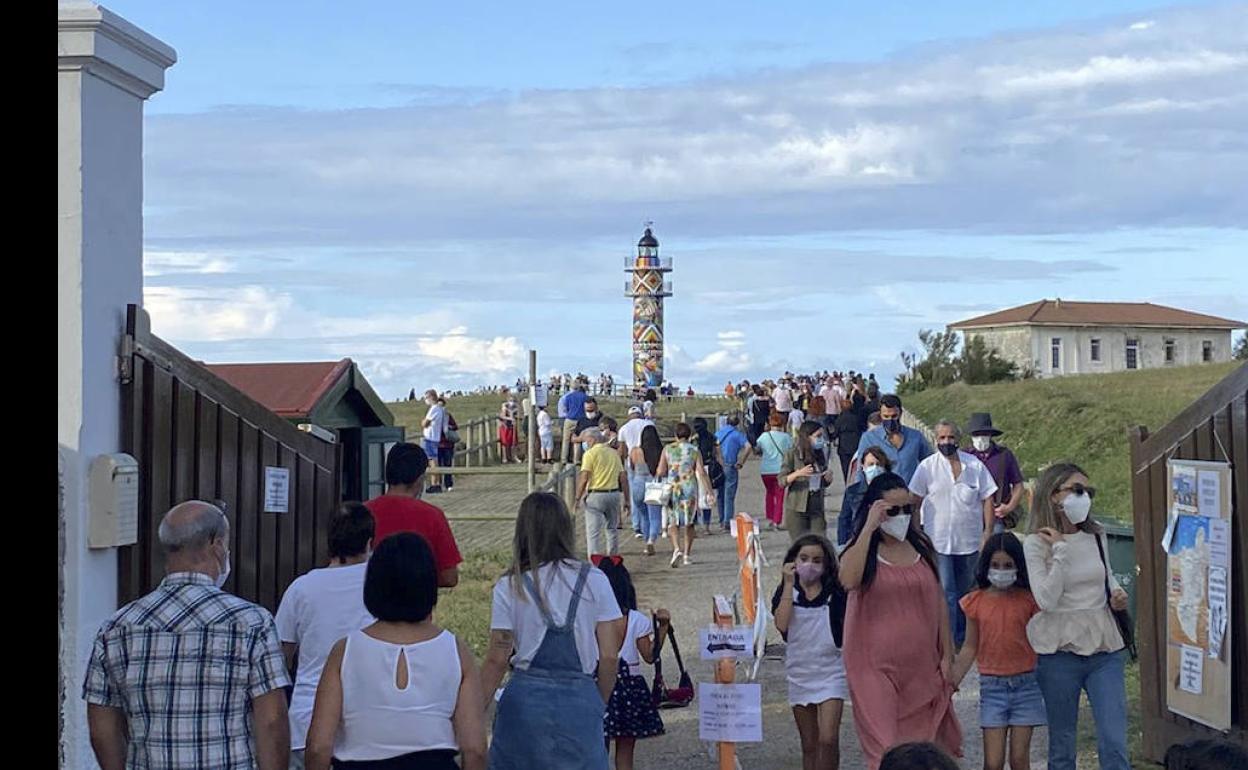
pixel 467 408
pixel 465 609
pixel 1083 419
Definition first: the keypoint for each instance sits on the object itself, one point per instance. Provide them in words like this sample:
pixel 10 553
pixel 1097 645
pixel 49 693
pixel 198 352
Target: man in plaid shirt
pixel 189 676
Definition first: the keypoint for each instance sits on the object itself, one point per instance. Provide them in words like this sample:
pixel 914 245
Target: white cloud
pixel 157 263
pixel 462 353
pixel 1143 25
pixel 198 315
pixel 724 361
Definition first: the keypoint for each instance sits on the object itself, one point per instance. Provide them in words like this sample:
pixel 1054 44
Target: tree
pixel 940 364
pixel 980 364
pixel 936 368
pixel 1241 349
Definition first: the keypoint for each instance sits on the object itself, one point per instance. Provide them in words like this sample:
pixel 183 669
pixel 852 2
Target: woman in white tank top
pixel 401 694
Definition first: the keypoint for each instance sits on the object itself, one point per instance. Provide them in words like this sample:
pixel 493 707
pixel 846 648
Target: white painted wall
pixel 1032 345
pixel 106 68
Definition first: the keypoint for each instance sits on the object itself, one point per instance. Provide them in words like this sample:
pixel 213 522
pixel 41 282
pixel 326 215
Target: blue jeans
pixel 1062 675
pixel 647 519
pixel 957 574
pixel 727 501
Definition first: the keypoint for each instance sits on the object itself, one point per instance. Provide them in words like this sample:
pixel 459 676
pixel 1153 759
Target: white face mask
pixel 1002 578
pixel 224 574
pixel 896 526
pixel 981 443
pixel 1076 508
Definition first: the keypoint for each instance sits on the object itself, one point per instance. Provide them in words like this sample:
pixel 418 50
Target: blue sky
pixel 432 190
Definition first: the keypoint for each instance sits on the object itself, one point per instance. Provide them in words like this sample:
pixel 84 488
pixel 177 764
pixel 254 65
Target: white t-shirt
pixel 437 422
pixel 630 432
pixel 318 609
pixel 543 423
pixel 521 616
pixel 783 398
pixel 796 418
pixel 647 409
pixel 953 512
pixel 832 396
pixel 639 625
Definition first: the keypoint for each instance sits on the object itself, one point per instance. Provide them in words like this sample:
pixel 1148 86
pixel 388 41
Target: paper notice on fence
pixel 276 490
pixel 1167 537
pixel 1209 484
pixel 1219 543
pixel 1218 610
pixel 731 713
pixel 1191 670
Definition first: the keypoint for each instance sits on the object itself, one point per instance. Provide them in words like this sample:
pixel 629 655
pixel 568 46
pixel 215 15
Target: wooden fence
pixel 1214 428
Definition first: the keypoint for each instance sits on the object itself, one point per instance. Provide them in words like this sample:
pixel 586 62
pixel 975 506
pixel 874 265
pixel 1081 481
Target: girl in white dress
pixel 809 607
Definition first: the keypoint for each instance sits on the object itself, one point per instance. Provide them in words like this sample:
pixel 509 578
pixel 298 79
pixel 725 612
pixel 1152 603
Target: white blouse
pixel 1068 583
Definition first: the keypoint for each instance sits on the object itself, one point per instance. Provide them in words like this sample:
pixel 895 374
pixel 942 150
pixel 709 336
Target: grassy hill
pixel 1083 419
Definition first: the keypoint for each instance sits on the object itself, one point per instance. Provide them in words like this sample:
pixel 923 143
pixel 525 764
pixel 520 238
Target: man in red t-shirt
pixel 400 510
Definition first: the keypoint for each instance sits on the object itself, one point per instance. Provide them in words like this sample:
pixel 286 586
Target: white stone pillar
pixel 106 68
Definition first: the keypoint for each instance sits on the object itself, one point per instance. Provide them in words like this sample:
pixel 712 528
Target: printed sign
pixel 721 642
pixel 276 490
pixel 731 713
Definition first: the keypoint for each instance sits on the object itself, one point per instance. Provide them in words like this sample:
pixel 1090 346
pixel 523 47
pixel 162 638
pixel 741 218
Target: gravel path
pixel 687 593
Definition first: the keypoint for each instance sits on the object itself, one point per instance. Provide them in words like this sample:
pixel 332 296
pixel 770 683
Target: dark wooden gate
pixel 196 437
pixel 1214 424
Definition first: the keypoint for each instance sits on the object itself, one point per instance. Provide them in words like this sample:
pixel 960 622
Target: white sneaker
pixel 676 556
pixel 637 535
pixel 685 560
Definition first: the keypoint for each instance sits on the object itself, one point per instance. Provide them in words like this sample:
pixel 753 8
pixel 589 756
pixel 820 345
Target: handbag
pixel 665 697
pixel 658 493
pixel 451 432
pixel 1121 617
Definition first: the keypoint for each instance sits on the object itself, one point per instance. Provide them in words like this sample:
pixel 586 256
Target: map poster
pixel 1198 593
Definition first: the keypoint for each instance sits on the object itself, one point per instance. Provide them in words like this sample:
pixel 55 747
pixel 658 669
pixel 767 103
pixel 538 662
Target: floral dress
pixel 682 463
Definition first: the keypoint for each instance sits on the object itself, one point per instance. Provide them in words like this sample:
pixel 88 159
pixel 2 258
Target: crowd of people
pixel 922 579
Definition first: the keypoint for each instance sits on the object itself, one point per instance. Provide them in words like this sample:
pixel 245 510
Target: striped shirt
pixel 183 663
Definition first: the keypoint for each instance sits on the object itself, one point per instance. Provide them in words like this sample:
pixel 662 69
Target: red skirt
pixel 507 435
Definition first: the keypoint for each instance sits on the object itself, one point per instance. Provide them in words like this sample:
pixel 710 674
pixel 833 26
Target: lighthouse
pixel 648 286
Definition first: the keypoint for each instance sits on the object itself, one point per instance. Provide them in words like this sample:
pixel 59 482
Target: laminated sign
pixel 730 713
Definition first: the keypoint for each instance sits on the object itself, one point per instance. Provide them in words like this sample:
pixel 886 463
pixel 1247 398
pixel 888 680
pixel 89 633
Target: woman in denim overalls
pixel 551 713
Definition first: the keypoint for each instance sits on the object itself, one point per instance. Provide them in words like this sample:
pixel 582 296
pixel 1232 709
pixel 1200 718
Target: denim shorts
pixel 1006 701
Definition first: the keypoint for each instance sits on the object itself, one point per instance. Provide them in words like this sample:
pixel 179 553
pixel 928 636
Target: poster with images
pixel 1198 592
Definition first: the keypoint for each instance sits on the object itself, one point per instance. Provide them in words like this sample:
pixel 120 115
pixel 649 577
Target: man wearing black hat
pixel 1003 466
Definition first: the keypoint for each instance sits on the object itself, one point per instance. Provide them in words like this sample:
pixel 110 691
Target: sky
pixel 432 189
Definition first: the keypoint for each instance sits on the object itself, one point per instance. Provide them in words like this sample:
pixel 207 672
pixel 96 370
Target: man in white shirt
pixel 432 428
pixel 782 398
pixel 320 608
pixel 956 492
pixel 630 438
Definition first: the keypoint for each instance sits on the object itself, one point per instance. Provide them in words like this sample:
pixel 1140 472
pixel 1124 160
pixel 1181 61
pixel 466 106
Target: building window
pixel 1206 351
pixel 1096 350
pixel 1055 345
pixel 1133 354
pixel 1169 351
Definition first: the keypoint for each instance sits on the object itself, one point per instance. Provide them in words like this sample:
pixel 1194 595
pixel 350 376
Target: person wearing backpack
pixel 809 609
pixel 713 460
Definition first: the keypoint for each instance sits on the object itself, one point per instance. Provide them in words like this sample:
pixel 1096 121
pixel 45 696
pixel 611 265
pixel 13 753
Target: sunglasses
pixel 1079 489
pixel 897 510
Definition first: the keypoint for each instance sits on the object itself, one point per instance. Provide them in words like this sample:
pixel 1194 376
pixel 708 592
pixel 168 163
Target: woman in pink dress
pixel 898 650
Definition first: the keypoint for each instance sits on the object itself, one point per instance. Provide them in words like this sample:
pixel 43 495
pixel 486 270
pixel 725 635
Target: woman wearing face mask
pixel 1075 635
pixel 809 608
pixel 898 648
pixel 805 474
pixel 874 462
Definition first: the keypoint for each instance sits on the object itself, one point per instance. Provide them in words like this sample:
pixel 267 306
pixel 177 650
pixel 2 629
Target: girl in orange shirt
pixel 1010 702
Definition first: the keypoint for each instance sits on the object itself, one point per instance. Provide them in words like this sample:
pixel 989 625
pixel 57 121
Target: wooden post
pixel 531 459
pixel 725 673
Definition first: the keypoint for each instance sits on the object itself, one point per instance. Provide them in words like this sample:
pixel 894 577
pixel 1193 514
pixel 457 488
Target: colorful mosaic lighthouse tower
pixel 648 287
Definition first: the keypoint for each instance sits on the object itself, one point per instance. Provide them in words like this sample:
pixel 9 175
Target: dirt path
pixel 687 593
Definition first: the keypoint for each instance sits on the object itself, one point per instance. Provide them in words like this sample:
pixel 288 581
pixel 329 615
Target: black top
pixel 836 600
pixel 586 423
pixel 848 431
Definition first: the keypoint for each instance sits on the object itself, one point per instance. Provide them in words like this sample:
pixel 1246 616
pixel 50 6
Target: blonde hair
pixel 1044 512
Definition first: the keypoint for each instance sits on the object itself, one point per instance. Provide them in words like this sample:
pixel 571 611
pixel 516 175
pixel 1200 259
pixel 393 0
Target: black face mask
pixel 948 450
pixel 892 425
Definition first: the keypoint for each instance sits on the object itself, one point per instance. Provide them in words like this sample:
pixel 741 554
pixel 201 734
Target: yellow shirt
pixel 604 467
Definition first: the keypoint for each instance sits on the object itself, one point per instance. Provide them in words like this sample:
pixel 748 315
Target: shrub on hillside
pixel 942 365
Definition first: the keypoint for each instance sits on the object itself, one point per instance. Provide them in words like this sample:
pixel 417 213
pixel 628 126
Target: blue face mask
pixel 818 443
pixel 871 471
